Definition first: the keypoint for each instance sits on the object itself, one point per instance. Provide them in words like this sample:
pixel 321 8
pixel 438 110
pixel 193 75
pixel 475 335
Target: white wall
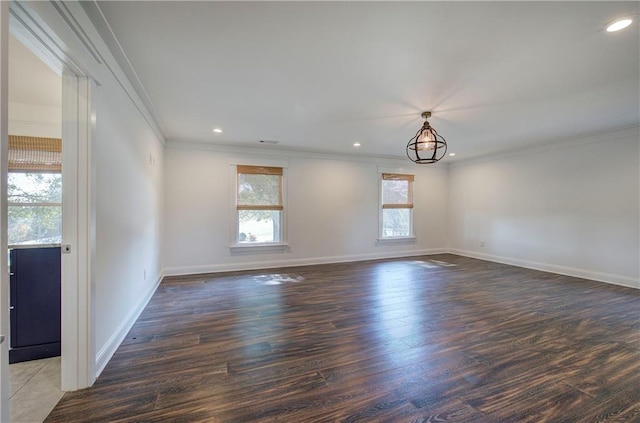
pixel 35 120
pixel 35 94
pixel 332 210
pixel 570 208
pixel 129 160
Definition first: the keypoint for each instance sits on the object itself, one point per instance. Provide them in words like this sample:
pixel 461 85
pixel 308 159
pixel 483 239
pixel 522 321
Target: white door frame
pixel 78 232
pixel 4 271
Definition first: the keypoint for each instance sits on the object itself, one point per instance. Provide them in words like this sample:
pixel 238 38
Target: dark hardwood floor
pixel 429 339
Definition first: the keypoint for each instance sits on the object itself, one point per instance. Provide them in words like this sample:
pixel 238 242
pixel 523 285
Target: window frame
pixel 389 174
pixel 257 247
pixel 35 155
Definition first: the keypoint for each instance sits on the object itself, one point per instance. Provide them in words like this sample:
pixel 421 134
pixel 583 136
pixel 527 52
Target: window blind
pixel 259 170
pixel 397 177
pixel 397 191
pixel 34 154
pixel 259 188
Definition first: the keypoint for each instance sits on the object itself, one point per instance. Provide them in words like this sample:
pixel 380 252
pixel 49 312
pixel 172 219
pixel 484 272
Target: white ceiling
pixel 322 75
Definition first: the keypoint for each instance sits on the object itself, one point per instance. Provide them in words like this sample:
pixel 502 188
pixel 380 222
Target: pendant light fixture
pixel 427 146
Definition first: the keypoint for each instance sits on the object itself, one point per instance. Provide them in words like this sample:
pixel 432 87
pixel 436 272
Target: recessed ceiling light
pixel 619 24
pixel 217 130
pixel 452 154
pixel 356 144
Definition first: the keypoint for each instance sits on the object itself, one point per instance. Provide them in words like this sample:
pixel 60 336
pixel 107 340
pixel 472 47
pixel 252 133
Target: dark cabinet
pixel 35 275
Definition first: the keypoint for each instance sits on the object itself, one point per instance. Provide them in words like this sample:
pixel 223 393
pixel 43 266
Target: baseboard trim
pixel 609 278
pixel 114 341
pixel 272 264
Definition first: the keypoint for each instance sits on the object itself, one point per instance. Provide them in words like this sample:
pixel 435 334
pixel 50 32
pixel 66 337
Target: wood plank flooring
pixel 429 339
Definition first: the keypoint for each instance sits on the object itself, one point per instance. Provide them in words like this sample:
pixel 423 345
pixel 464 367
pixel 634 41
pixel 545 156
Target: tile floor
pixel 35 389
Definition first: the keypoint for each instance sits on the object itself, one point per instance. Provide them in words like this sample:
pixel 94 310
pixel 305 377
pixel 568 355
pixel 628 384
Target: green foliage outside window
pixel 34 208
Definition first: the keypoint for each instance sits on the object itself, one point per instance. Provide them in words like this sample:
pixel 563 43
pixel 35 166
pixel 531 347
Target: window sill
pixel 397 240
pixel 259 247
pixel 25 246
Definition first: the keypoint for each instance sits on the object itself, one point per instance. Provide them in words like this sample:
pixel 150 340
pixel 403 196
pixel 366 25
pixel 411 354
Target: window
pixel 397 206
pixel 34 188
pixel 259 205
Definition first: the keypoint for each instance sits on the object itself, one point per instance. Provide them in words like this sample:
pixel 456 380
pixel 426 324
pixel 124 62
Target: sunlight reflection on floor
pixel 277 279
pixel 432 264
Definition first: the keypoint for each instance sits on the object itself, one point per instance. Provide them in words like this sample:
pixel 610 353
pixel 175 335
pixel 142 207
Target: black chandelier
pixel 427 146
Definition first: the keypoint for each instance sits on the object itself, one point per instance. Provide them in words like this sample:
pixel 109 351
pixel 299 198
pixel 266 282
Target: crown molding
pixel 99 21
pixel 279 152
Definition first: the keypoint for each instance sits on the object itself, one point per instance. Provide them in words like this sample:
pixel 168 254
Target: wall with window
pixel 331 207
pixel 569 208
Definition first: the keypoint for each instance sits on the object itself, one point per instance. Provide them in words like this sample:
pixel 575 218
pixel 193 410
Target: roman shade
pixel 259 188
pixel 34 154
pixel 398 192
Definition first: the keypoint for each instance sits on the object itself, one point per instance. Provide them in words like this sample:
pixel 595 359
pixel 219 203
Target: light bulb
pixel 618 25
pixel 426 141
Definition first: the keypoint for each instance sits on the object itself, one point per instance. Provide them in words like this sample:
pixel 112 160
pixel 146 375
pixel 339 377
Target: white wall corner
pixel 581 140
pixel 609 278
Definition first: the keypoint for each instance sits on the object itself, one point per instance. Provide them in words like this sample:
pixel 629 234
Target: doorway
pixel 78 238
pixel 34 231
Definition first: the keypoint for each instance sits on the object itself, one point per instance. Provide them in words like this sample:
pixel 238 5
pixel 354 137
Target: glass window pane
pixel 259 190
pixel 34 224
pixel 41 222
pixel 396 222
pixel 259 226
pixel 395 192
pixel 34 187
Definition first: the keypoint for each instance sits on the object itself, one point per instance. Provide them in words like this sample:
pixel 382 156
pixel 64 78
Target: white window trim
pixel 411 238
pixel 261 247
pixel 397 240
pixel 14 204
